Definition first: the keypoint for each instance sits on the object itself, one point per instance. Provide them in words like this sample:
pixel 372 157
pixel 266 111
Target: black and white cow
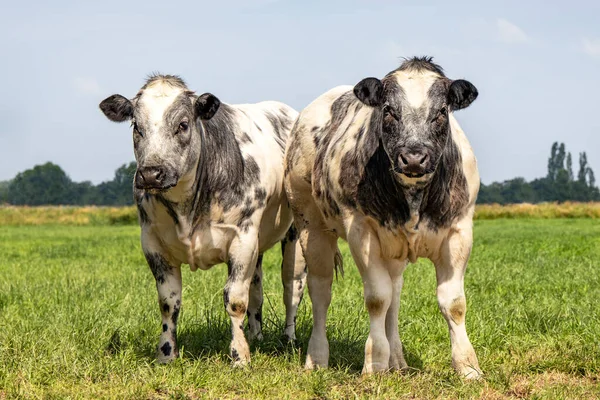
pixel 209 190
pixel 385 166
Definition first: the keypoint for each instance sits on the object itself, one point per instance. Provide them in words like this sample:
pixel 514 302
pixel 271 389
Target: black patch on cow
pixel 256 277
pixel 461 94
pixel 290 237
pixel 170 207
pixel 206 106
pixel 244 138
pixel 221 168
pixel 260 195
pixel 165 327
pixel 166 349
pixel 176 309
pixel 142 214
pixel 165 307
pixel 117 108
pixel 159 266
pixel 235 355
pixel 379 194
pixel 281 124
pixel 447 194
pixel 369 91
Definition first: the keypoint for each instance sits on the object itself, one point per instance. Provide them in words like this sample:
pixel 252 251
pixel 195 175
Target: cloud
pixel 507 32
pixel 591 47
pixel 86 86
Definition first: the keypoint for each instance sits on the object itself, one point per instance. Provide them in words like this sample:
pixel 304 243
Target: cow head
pixel 412 106
pixel 165 117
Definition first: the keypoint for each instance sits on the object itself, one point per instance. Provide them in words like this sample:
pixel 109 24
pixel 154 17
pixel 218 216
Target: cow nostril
pixel 423 159
pixel 403 159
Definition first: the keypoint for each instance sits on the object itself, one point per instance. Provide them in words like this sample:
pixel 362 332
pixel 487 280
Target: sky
pixel 536 65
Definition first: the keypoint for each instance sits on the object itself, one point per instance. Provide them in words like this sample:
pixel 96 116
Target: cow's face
pixel 165 120
pixel 412 108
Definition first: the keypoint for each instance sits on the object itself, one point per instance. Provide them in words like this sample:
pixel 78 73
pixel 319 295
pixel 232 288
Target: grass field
pixel 80 320
pixel 103 216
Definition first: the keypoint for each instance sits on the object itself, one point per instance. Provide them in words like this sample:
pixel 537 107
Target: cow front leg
pixel 293 276
pixel 378 291
pixel 450 270
pixel 243 256
pixel 255 302
pixel 397 360
pixel 168 285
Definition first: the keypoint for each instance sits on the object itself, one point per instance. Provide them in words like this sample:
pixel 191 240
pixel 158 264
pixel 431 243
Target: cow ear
pixel 206 106
pixel 117 108
pixel 370 92
pixel 461 94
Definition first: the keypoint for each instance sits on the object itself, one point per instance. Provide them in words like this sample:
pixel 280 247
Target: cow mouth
pixel 413 174
pixel 156 189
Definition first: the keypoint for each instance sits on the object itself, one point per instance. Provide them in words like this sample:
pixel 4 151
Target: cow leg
pixel 293 276
pixel 243 256
pixel 255 302
pixel 168 285
pixel 397 360
pixel 450 269
pixel 378 293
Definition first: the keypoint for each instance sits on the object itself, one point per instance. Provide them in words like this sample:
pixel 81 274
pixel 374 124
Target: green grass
pixel 79 319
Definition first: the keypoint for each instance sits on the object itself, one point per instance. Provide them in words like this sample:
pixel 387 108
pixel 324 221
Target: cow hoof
pixel 375 367
pixel 315 363
pixel 471 374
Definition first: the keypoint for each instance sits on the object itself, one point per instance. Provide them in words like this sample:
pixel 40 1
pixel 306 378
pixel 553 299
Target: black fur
pixel 370 92
pixel 117 108
pixel 222 173
pixel 206 106
pixel 170 207
pixel 461 94
pixel 158 265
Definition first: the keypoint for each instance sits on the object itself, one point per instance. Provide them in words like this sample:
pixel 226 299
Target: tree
pixel 4 191
pixel 570 166
pixel 44 184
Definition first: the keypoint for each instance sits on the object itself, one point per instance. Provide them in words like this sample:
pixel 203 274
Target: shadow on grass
pixel 212 338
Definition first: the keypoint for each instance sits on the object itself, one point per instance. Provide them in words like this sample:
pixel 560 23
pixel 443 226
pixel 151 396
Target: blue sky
pixel 536 65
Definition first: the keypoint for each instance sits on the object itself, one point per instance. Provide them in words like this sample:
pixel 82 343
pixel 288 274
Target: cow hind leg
pixel 255 303
pixel 293 276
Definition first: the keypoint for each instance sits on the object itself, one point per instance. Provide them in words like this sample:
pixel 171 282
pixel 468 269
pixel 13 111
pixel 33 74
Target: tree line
pixel 560 184
pixel 48 184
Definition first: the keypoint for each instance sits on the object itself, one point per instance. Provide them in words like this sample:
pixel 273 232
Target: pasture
pixel 80 320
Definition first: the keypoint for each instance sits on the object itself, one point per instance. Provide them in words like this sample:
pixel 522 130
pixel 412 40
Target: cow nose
pixel 414 161
pixel 149 177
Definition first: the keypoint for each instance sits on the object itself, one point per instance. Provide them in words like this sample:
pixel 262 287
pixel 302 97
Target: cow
pixel 209 190
pixel 385 166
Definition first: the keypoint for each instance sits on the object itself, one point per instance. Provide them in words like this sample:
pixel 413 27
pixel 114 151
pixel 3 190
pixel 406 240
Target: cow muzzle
pixel 414 162
pixel 154 179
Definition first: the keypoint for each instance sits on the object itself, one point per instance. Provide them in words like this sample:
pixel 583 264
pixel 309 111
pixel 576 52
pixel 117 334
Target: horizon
pixel 537 76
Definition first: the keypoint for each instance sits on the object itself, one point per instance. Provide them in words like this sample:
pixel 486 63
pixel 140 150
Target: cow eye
pixel 137 130
pixel 444 111
pixel 388 111
pixel 183 126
